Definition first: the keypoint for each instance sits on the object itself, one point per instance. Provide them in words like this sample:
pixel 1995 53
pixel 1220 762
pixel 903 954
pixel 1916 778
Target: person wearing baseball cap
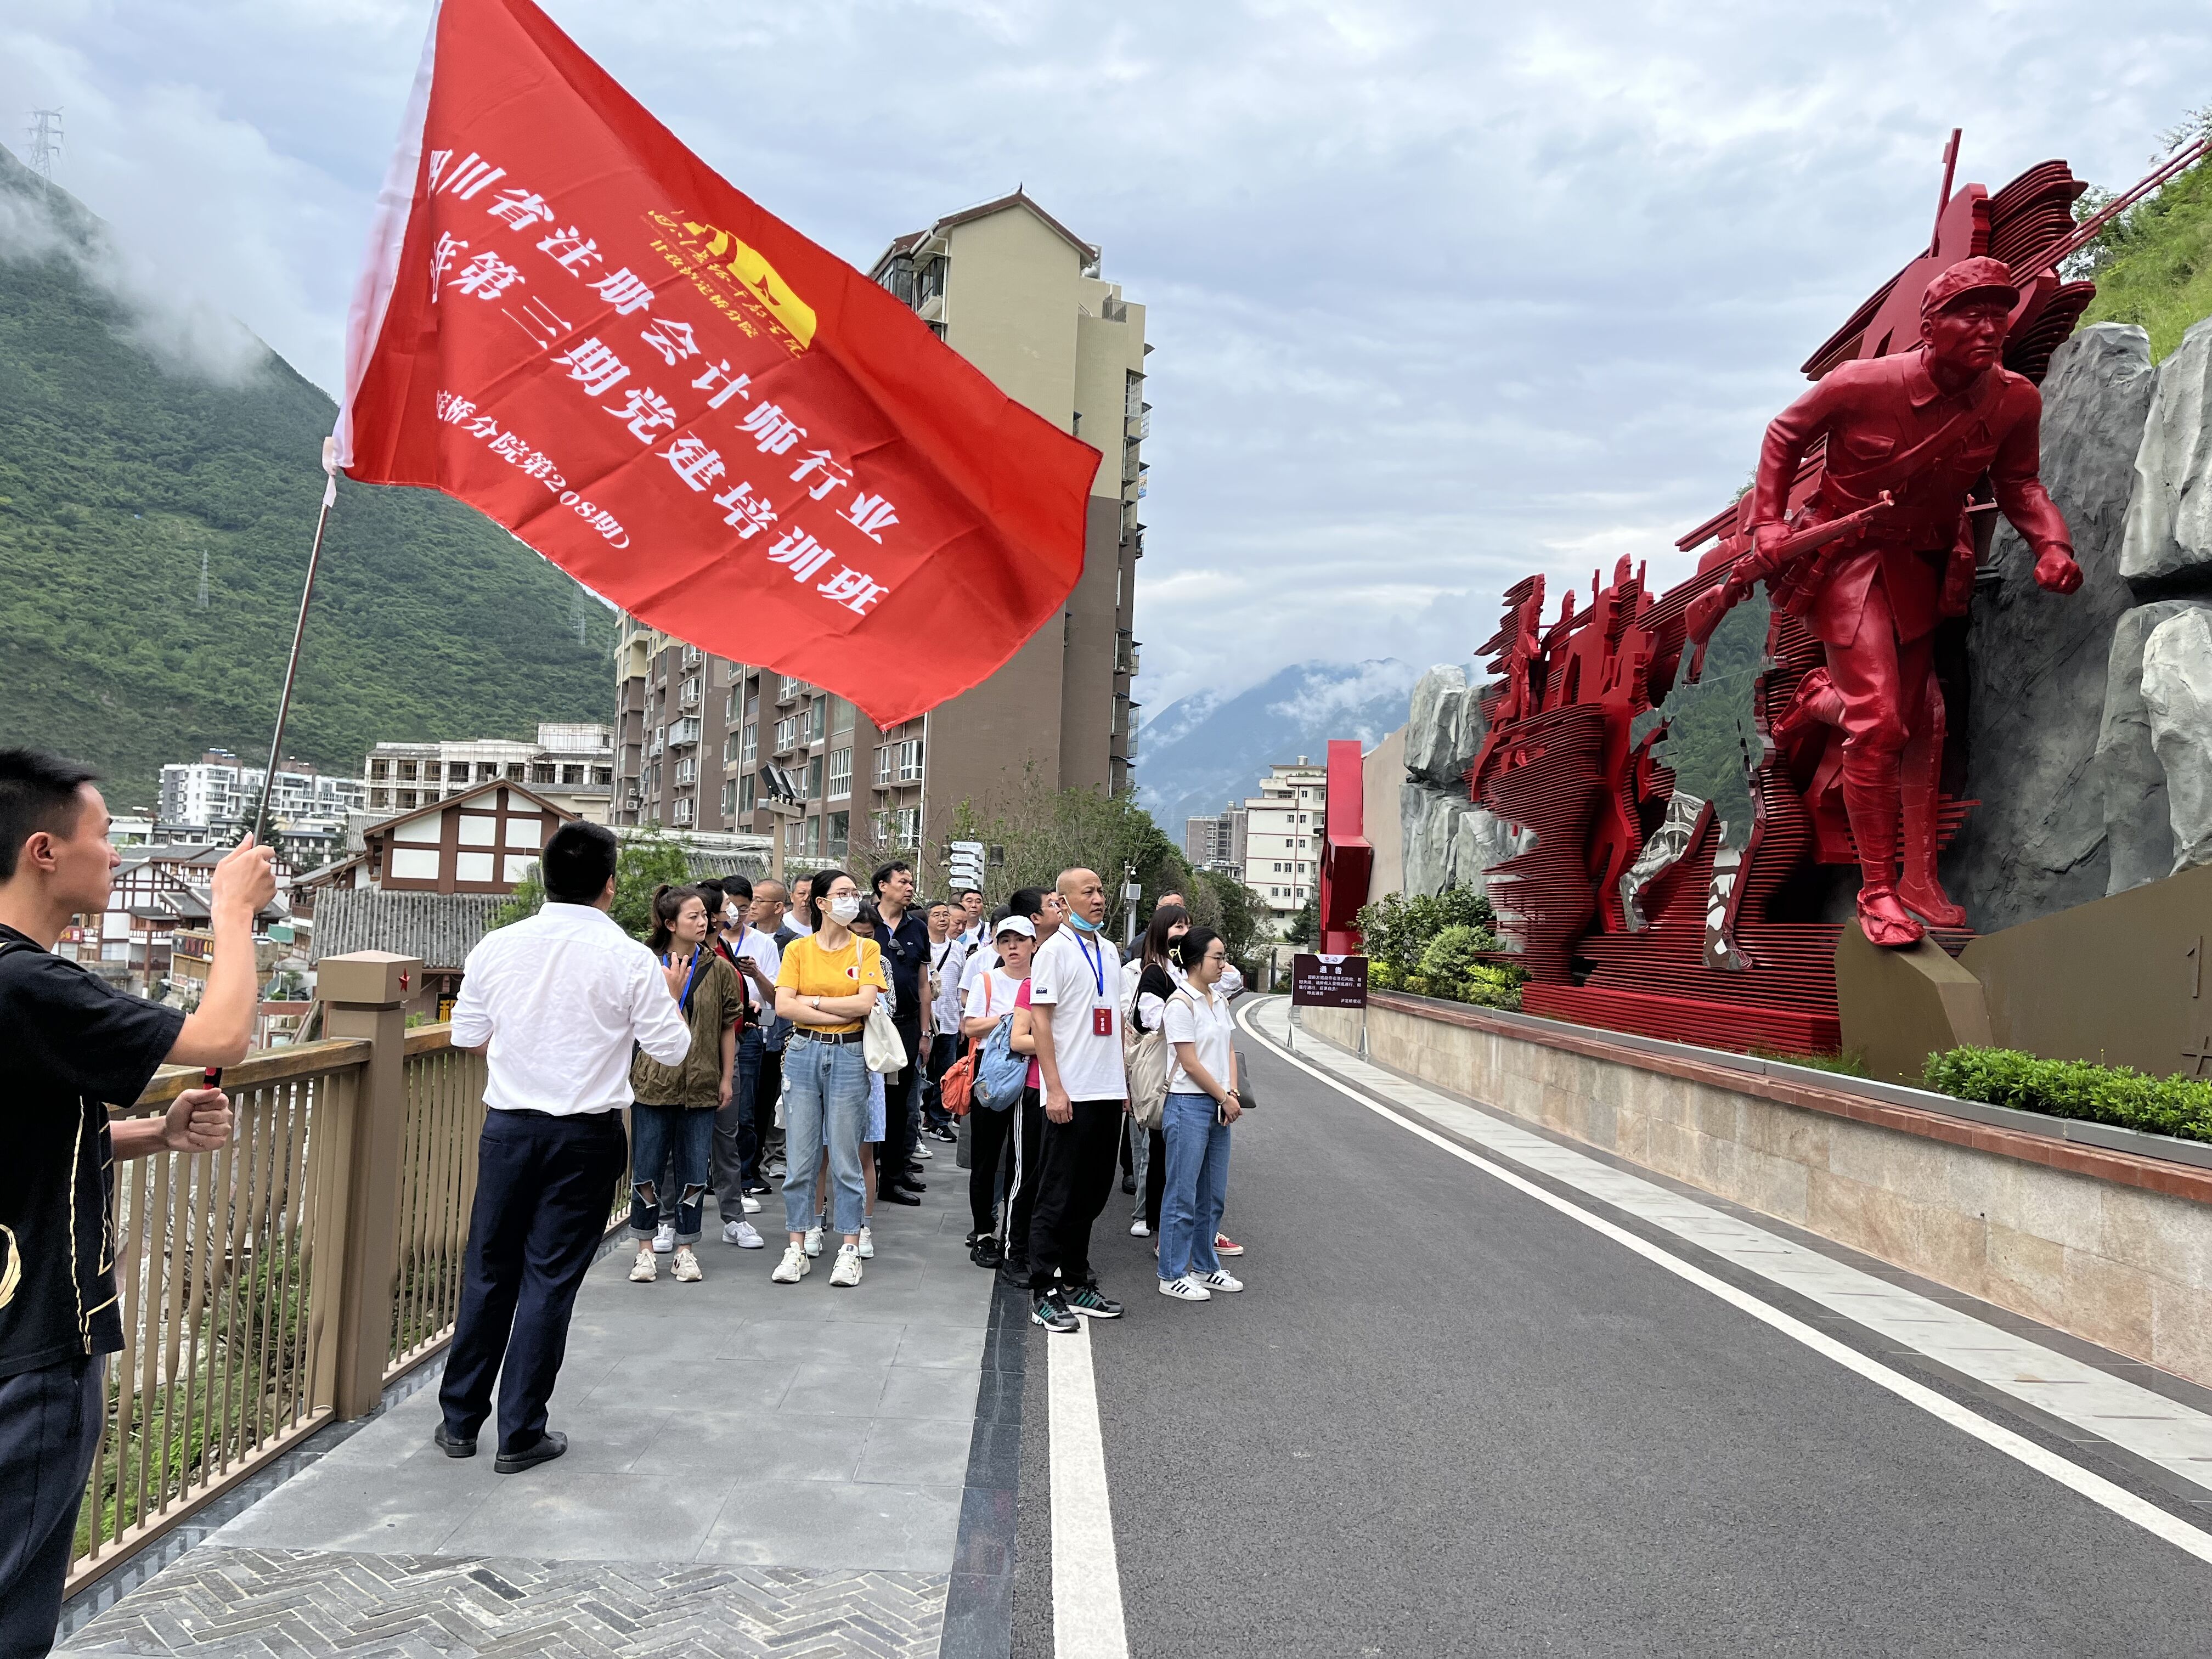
pixel 993 996
pixel 1926 425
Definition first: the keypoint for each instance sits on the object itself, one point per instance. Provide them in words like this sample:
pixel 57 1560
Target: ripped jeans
pixel 675 1145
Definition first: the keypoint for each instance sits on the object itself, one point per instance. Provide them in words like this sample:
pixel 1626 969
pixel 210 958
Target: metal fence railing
pixel 227 1274
pixel 444 1089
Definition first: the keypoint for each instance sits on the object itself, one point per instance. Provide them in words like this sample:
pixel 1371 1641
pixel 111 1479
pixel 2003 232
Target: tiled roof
pixel 440 928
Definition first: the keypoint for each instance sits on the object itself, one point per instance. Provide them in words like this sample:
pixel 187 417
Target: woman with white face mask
pixel 826 985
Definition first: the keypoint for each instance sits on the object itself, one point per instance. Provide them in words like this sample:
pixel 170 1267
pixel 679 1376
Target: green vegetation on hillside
pixel 2153 266
pixel 118 472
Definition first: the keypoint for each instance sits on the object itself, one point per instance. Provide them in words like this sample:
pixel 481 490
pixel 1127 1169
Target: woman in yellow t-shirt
pixel 827 984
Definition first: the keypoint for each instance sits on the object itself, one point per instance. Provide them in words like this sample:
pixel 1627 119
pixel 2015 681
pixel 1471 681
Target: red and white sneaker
pixel 1224 1245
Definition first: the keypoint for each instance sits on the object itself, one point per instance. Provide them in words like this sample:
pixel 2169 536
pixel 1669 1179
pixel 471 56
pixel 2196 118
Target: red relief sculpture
pixel 1872 507
pixel 1347 858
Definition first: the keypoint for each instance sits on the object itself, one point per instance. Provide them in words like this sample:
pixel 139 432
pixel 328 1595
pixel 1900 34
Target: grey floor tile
pixel 822 1523
pixel 689 1382
pixel 587 1514
pixel 949 1347
pixel 731 1451
pixel 924 1391
pixel 412 1506
pixel 835 1389
pixel 914 1451
pixel 809 1341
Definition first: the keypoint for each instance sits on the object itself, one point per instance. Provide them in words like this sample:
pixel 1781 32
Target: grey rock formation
pixel 2138 822
pixel 2169 526
pixel 1435 729
pixel 2177 693
pixel 1448 839
pixel 2036 661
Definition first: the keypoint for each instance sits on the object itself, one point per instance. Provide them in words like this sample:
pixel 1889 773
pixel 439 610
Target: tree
pixel 1040 831
pixel 645 862
pixel 1305 925
pixel 1233 910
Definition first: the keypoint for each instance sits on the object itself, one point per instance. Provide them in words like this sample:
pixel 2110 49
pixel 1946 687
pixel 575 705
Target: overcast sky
pixel 1441 292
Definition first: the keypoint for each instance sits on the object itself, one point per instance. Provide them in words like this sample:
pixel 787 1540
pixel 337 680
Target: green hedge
pixel 1431 945
pixel 2117 1095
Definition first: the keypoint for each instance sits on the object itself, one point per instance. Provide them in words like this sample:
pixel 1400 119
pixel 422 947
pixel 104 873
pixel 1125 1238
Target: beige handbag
pixel 881 1042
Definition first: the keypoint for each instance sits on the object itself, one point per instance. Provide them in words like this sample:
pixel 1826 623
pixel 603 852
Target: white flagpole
pixel 299 631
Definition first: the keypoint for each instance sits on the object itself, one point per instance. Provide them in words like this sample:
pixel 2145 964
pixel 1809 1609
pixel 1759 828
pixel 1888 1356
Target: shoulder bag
pixel 1147 1060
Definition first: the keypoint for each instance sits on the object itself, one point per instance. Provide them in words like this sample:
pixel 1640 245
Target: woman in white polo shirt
pixel 1203 1103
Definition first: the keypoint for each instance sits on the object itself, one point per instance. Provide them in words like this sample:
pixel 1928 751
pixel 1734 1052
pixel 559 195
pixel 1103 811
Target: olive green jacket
pixel 717 1003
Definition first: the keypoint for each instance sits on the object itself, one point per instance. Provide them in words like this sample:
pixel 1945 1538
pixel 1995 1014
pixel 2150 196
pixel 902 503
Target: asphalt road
pixel 1445 1419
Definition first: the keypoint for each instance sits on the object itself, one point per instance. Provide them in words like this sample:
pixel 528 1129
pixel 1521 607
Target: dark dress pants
pixel 901 1103
pixel 988 1140
pixel 545 1188
pixel 737 1141
pixel 50 1421
pixel 1075 1177
pixel 768 1095
pixel 1024 1144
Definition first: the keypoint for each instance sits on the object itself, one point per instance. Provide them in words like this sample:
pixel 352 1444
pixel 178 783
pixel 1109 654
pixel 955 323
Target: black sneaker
pixel 757 1187
pixel 1093 1302
pixel 984 1252
pixel 1015 1269
pixel 1051 1311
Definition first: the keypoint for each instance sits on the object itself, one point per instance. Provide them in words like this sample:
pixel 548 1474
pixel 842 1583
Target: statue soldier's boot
pixel 1870 801
pixel 1921 798
pixel 1817 702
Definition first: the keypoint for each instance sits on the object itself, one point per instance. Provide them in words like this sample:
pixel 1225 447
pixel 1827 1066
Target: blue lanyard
pixel 1095 956
pixel 683 1002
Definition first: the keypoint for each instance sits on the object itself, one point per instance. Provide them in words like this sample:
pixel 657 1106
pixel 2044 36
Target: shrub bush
pixel 2118 1094
pixel 1431 945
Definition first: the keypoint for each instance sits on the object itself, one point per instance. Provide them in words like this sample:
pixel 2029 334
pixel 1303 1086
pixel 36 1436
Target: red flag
pixel 569 322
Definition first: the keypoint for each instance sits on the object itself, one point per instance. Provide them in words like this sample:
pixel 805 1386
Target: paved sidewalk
pixel 753 1467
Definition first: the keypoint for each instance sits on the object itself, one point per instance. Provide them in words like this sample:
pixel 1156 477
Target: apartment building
pixel 571 765
pixel 220 792
pixel 1284 826
pixel 1215 840
pixel 1019 295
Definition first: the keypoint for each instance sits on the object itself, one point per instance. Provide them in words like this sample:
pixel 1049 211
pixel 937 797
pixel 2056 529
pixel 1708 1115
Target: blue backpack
pixel 1001 1073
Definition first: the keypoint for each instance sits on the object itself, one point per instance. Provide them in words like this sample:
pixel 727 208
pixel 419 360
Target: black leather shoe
pixel 899 1195
pixel 453 1448
pixel 549 1446
pixel 912 1184
pixel 1129 1188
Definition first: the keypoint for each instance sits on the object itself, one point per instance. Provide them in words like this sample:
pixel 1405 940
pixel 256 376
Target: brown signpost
pixel 1328 982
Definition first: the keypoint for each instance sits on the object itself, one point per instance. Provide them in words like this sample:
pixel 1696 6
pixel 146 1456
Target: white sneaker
pixel 794 1267
pixel 814 1241
pixel 923 1153
pixel 1187 1289
pixel 1218 1281
pixel 868 1245
pixel 1138 1230
pixel 750 1205
pixel 643 1270
pixel 847 1270
pixel 687 1266
pixel 743 1234
pixel 664 1240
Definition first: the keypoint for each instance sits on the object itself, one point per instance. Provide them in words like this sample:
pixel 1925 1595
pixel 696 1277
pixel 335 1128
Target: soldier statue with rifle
pixel 1910 438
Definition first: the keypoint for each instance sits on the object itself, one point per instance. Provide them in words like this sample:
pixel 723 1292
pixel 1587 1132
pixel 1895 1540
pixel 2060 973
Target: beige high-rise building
pixel 1019 295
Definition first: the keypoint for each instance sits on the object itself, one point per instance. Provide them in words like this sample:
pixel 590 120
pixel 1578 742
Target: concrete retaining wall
pixel 2111 1246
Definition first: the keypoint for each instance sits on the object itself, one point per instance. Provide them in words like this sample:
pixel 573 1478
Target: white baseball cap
pixel 1014 925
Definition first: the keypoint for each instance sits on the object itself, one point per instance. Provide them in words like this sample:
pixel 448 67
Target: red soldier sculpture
pixel 1924 425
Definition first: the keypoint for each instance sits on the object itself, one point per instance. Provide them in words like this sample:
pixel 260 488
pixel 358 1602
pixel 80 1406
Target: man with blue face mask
pixel 1075 983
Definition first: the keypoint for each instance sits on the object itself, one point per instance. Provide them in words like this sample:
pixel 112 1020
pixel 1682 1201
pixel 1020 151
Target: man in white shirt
pixel 948 955
pixel 795 919
pixel 555 1003
pixel 1076 975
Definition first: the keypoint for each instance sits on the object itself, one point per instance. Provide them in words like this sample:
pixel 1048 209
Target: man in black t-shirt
pixel 74 1046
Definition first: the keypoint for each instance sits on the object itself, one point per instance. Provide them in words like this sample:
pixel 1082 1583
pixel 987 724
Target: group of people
pixel 739 1038
pixel 776 992
pixel 1042 1167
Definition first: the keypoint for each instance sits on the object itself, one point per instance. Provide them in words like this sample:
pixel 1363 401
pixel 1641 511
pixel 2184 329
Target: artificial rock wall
pixel 2088 726
pixel 1448 839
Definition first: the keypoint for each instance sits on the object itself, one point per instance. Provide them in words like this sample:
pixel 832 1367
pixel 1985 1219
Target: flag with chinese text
pixel 569 321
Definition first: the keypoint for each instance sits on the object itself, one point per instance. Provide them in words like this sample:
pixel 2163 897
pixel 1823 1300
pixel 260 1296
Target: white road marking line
pixel 2111 1496
pixel 1086 1576
pixel 2002 1359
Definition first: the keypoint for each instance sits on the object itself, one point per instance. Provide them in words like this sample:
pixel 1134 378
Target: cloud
pixel 1441 293
pixel 1321 696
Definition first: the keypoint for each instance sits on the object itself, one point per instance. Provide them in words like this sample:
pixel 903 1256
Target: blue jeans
pixel 1197 1185
pixel 825 1103
pixel 671 1146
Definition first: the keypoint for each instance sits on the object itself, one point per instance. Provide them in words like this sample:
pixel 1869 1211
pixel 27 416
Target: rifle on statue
pixel 1749 567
